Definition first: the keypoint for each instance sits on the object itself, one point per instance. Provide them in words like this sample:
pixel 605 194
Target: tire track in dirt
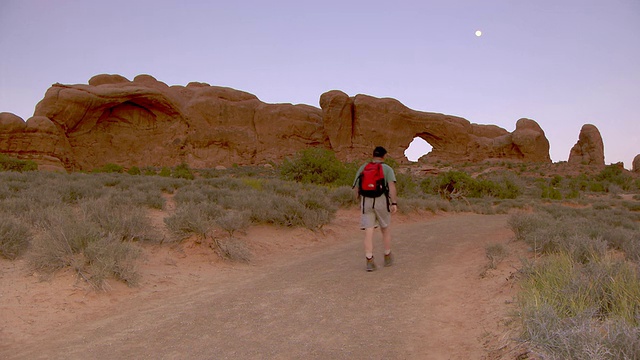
pixel 320 305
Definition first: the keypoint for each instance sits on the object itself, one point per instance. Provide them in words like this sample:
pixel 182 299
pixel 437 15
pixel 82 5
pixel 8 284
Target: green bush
pixel 109 168
pixel 457 182
pixel 165 171
pixel 182 171
pixel 615 174
pixel 11 164
pixel 317 166
pixel 134 170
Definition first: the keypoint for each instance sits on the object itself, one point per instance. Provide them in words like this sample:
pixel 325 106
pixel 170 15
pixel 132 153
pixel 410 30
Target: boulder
pixel 636 164
pixel 589 150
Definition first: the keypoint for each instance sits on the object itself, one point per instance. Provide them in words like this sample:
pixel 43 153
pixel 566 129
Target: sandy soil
pixel 305 295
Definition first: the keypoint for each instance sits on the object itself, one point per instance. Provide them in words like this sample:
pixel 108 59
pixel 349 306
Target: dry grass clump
pixel 587 311
pixel 71 239
pixel 14 237
pixel 495 253
pixel 581 300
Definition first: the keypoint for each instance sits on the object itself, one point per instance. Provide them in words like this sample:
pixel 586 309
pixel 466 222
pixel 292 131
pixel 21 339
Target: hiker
pixel 376 185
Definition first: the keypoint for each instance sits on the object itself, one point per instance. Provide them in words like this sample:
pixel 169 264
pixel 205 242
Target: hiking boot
pixel 388 259
pixel 371 266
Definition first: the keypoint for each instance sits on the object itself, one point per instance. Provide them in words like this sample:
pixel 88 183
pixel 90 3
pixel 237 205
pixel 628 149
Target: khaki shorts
pixel 375 212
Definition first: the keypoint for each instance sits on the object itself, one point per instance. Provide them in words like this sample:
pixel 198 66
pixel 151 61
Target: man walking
pixel 376 185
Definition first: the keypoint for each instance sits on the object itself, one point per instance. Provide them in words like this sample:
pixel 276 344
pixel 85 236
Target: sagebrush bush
pixel 95 251
pixel 110 257
pixel 194 218
pixel 232 249
pixel 125 222
pixel 233 220
pixel 495 253
pixel 14 237
pixel 343 196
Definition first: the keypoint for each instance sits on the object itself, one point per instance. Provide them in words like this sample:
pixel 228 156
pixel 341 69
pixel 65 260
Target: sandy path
pixel 314 304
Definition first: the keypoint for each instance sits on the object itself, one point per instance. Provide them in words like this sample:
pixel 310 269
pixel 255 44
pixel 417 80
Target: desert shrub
pixel 457 182
pixel 255 184
pixel 614 174
pixel 483 207
pixel 524 224
pixel 150 198
pixel 8 163
pixel 127 223
pixel 601 205
pixel 191 219
pixel 631 205
pixel 182 171
pixel 65 235
pixel 596 186
pixel 495 253
pixel 233 220
pixel 109 257
pixel 14 237
pixel 78 188
pixel 550 192
pixel 134 170
pixel 407 186
pixel 453 181
pixel 109 168
pixel 625 240
pixel 149 171
pixel 431 204
pixel 232 249
pixel 317 166
pixel 563 304
pixel 165 171
pixel 581 337
pixel 343 196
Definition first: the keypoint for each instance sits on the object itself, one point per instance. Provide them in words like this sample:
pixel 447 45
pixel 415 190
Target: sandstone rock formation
pixel 636 164
pixel 145 122
pixel 589 150
pixel 356 124
pixel 37 139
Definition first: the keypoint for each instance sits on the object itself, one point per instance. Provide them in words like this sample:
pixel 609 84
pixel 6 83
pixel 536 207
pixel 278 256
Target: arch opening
pixel 417 148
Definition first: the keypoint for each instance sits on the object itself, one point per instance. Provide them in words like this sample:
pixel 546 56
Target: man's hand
pixel 394 208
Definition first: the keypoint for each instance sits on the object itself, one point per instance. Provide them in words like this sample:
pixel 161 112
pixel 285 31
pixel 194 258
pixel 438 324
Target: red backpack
pixel 372 182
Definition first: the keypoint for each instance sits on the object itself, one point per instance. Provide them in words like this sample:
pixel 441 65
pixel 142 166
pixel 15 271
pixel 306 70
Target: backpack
pixel 372 182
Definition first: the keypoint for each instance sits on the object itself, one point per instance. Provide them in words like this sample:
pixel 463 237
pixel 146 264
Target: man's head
pixel 379 152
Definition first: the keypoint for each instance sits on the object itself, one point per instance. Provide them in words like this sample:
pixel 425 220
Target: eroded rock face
pixel 145 122
pixel 636 164
pixel 36 139
pixel 589 150
pixel 369 121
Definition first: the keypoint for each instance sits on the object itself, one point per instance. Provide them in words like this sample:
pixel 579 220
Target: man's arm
pixel 393 196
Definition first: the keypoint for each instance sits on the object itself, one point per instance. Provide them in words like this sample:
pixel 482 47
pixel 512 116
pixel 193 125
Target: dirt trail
pixel 317 303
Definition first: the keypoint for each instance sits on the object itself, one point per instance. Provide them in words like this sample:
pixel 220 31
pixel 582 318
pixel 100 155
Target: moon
pixel 478 33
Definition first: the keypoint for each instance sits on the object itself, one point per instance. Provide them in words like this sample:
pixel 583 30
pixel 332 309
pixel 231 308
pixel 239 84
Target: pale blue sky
pixel 563 63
